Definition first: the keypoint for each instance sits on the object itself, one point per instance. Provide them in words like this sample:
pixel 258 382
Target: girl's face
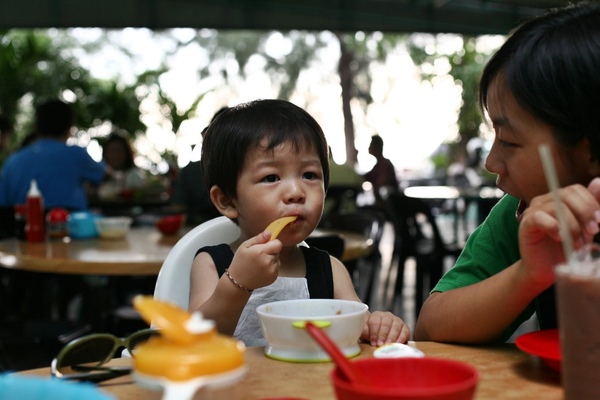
pixel 514 155
pixel 278 183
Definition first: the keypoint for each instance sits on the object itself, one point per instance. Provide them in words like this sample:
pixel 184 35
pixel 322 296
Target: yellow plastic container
pixel 188 354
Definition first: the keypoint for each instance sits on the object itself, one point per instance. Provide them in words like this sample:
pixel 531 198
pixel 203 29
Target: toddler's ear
pixel 223 203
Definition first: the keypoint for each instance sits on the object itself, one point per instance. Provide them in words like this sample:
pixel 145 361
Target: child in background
pixel 125 176
pixel 264 160
pixel 541 87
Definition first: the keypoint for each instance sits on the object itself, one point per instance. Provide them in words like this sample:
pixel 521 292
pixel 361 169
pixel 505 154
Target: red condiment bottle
pixel 35 229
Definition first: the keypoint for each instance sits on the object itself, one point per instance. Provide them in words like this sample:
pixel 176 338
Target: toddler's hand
pixel 256 261
pixel 384 327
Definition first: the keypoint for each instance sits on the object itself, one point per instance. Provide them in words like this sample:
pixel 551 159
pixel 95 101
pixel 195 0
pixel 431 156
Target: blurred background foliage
pixel 40 64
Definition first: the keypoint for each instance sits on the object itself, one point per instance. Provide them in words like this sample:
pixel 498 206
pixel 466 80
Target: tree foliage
pixel 466 65
pixel 38 65
pixel 35 65
pixel 357 53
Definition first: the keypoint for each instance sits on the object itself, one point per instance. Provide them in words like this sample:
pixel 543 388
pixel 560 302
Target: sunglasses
pixel 83 359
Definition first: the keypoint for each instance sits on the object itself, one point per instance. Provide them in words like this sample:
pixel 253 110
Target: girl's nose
pixel 494 163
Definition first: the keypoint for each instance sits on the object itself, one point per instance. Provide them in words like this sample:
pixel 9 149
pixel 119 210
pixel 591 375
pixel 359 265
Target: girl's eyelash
pixel 504 143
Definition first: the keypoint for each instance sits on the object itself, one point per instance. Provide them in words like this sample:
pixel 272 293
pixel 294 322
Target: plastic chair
pixel 416 235
pixel 173 282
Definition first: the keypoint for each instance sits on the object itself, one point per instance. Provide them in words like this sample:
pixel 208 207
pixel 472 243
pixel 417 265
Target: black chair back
pixel 417 235
pixel 370 223
pixel 333 244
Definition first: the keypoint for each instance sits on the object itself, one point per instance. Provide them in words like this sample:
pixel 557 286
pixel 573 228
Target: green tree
pixel 38 65
pixel 466 65
pixel 32 67
pixel 357 53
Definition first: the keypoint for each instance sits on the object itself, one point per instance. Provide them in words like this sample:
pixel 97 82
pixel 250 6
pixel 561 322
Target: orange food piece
pixel 277 226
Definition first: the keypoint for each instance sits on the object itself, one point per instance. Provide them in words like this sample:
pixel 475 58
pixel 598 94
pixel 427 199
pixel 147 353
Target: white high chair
pixel 173 282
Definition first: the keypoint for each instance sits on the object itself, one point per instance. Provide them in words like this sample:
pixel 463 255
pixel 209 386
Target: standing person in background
pixel 61 170
pixel 125 176
pixel 191 194
pixel 383 174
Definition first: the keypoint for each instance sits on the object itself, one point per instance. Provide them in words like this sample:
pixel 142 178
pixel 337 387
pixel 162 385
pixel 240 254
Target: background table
pixel 355 245
pixel 142 252
pixel 459 199
pixel 506 373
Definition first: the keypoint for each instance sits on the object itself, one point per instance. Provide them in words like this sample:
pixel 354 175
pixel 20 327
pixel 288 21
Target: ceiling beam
pixel 454 16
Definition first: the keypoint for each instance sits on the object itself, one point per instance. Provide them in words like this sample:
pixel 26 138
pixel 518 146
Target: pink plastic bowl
pixel 409 379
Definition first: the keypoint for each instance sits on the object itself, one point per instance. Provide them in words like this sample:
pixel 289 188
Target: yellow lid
pixel 189 347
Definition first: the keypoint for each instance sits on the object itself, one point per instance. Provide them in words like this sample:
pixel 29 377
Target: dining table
pixel 505 372
pixel 356 245
pixel 104 273
pixel 141 253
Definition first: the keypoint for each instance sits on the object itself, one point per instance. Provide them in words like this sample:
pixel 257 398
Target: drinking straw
pixel 552 181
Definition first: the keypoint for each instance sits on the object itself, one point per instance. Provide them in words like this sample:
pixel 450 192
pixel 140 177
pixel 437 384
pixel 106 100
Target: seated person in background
pixel 264 160
pixel 383 173
pixel 125 177
pixel 539 88
pixel 190 194
pixel 61 170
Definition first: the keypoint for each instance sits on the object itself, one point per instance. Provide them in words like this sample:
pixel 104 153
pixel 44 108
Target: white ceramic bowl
pixel 282 324
pixel 113 227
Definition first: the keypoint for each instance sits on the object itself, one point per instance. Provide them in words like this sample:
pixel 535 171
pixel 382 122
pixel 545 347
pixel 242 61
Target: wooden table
pixel 505 373
pixel 141 253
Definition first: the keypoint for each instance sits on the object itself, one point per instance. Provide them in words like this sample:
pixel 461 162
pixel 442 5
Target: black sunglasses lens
pixel 94 351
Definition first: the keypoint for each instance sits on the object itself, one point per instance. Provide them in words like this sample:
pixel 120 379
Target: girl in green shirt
pixel 541 87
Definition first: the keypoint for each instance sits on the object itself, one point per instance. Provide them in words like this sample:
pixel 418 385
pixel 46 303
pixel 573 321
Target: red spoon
pixel 346 367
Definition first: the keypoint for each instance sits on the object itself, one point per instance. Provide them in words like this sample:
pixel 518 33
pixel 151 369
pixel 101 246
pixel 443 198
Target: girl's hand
pixel 384 327
pixel 540 240
pixel 256 261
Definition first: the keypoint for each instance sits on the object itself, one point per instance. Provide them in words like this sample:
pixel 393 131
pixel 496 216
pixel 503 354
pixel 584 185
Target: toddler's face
pixel 514 155
pixel 277 183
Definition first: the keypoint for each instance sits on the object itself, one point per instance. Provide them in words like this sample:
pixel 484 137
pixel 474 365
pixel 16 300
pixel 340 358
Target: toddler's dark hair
pixel 240 129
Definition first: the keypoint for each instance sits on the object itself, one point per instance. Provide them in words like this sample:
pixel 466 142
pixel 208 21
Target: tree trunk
pixel 346 82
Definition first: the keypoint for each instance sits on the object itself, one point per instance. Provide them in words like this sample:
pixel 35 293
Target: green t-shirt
pixel 492 247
